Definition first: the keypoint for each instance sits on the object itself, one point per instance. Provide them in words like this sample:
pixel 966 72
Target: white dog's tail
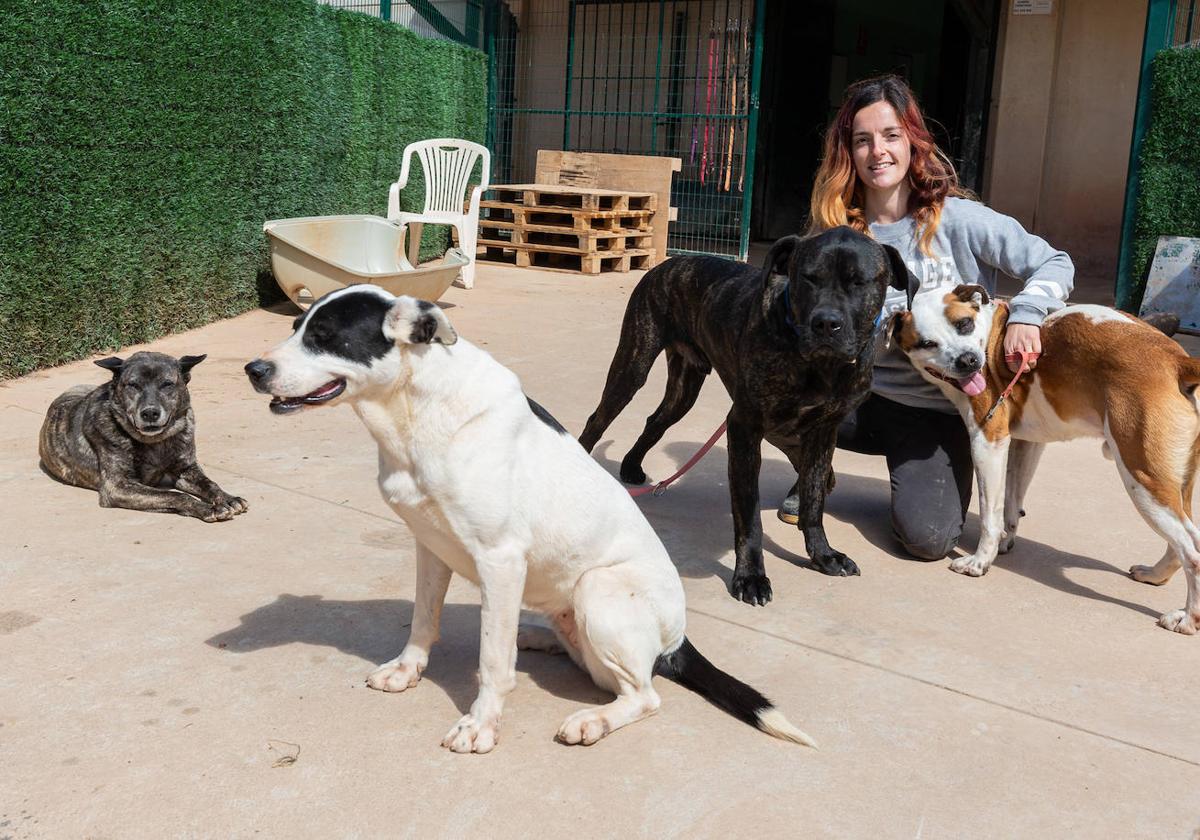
pixel 688 667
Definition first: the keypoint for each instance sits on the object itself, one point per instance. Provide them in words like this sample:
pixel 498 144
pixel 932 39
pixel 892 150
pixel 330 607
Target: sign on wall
pixel 1174 281
pixel 1033 7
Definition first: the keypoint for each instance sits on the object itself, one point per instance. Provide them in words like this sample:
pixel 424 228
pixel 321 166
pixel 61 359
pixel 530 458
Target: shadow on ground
pixel 375 631
pixel 694 521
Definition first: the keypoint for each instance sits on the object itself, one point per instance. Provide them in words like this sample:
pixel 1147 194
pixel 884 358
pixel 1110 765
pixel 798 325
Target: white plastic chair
pixel 448 164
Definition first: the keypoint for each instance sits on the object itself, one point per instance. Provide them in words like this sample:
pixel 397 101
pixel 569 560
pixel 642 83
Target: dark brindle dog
pixel 794 345
pixel 133 439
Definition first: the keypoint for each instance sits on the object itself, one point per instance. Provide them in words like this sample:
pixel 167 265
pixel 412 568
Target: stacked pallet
pixel 578 229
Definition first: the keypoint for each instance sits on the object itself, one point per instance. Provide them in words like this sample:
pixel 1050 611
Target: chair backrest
pixel 448 164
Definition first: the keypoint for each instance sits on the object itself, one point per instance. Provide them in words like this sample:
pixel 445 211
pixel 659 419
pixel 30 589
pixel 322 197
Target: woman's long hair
pixel 837 196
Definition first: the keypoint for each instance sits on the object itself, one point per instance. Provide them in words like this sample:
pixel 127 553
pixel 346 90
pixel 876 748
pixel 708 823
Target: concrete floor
pixel 155 669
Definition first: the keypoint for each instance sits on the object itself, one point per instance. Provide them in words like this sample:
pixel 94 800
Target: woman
pixel 882 174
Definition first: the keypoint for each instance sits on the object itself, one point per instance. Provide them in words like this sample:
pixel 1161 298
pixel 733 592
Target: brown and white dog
pixel 1103 374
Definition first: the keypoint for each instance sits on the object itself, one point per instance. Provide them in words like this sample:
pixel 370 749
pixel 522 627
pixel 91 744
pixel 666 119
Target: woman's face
pixel 879 146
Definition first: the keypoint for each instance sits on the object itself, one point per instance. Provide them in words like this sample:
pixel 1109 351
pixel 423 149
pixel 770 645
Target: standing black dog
pixel 794 346
pixel 134 440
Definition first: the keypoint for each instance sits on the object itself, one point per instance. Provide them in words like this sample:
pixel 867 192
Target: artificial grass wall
pixel 1168 200
pixel 144 142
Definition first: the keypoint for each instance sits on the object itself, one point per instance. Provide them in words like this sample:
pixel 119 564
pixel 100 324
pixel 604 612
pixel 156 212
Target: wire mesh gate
pixel 676 78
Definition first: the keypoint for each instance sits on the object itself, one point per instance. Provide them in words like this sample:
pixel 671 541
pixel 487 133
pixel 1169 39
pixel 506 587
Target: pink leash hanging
pixel 657 489
pixel 712 44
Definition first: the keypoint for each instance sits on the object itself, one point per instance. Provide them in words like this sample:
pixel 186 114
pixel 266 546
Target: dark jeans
pixel 929 462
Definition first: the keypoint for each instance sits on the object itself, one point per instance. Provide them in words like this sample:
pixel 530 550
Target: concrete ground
pixel 162 677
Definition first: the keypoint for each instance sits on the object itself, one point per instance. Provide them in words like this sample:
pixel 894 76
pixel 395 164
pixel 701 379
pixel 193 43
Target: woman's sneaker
pixel 789 508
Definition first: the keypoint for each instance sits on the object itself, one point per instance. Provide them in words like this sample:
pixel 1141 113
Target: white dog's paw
pixel 470 735
pixel 1149 574
pixel 1180 622
pixel 970 565
pixel 587 726
pixel 394 676
pixel 1008 541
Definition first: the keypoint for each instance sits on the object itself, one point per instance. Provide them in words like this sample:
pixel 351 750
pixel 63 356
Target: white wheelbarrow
pixel 316 255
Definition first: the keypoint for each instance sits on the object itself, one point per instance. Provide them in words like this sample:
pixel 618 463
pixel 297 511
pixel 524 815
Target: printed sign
pixel 1174 281
pixel 1033 7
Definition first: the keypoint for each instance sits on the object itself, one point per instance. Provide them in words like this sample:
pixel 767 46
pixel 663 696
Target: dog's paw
pixel 1149 574
pixel 1180 622
pixel 394 676
pixel 971 566
pixel 632 473
pixel 470 735
pixel 1007 542
pixel 225 508
pixel 754 589
pixel 836 564
pixel 586 727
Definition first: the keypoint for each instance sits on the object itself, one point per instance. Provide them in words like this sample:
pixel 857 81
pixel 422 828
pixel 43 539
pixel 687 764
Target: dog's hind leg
pixel 641 342
pixel 1156 464
pixel 620 638
pixel 1023 457
pixel 684 381
pixel 433 577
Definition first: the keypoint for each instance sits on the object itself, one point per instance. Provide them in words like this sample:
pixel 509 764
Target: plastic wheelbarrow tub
pixel 316 255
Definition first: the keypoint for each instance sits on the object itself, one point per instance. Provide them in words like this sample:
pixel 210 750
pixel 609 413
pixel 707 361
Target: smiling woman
pixel 883 174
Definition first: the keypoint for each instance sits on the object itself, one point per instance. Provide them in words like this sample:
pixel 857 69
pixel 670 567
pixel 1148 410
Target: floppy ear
pixel 972 293
pixel 780 256
pixel 896 325
pixel 112 363
pixel 902 279
pixel 412 321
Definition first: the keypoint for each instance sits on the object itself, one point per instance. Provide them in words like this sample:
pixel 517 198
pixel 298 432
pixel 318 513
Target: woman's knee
pixel 927 540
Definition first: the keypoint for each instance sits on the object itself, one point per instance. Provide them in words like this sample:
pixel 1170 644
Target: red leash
pixel 1026 356
pixel 657 489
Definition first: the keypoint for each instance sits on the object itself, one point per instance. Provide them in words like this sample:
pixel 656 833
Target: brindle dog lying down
pixel 134 440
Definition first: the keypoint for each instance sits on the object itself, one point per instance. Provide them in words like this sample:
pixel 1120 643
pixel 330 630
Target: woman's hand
pixel 1020 337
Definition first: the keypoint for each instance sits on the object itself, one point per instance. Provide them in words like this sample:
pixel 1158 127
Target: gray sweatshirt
pixel 973 244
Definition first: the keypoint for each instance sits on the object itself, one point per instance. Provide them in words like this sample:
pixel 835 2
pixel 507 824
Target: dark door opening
pixel 813 50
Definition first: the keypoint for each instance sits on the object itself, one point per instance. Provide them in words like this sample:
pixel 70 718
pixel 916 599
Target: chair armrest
pixel 473 209
pixel 393 205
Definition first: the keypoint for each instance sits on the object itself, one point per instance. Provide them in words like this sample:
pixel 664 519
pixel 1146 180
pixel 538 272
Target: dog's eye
pixel 927 344
pixel 965 326
pixel 166 386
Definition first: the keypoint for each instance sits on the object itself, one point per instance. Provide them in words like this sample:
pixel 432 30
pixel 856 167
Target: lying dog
pixel 494 489
pixel 1103 374
pixel 134 440
pixel 793 345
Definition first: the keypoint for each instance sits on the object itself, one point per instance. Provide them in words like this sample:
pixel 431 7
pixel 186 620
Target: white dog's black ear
pixel 186 363
pixel 972 293
pixel 112 363
pixel 412 321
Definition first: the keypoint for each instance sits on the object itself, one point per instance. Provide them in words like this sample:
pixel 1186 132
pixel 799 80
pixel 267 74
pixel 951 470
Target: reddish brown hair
pixel 837 197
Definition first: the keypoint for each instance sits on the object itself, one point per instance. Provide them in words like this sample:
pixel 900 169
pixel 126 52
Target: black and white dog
pixel 793 343
pixel 496 490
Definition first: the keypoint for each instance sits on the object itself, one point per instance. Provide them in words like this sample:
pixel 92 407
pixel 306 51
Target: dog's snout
pixel 968 362
pixel 826 322
pixel 151 414
pixel 259 372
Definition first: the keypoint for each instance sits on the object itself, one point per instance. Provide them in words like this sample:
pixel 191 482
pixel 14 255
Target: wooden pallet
pixel 565 217
pixel 511 234
pixel 573 198
pixel 565 259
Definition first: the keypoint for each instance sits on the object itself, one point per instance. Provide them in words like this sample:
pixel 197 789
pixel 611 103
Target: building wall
pixel 1062 118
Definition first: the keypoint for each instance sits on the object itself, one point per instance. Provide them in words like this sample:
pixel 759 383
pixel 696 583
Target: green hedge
pixel 144 142
pixel 1168 200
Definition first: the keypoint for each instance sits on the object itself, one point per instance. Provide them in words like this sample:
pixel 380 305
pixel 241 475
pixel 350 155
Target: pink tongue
pixel 974 385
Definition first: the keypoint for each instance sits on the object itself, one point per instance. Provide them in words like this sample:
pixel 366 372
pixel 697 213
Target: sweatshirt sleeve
pixel 1048 274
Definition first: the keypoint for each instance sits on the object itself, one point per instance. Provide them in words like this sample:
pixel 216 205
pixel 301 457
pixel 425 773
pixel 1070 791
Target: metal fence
pixel 1187 22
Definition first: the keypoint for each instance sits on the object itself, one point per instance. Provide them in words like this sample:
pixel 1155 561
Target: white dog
pixel 494 489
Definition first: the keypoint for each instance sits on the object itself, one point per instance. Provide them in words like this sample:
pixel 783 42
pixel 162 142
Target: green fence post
pixel 566 144
pixel 752 129
pixel 385 10
pixel 1160 21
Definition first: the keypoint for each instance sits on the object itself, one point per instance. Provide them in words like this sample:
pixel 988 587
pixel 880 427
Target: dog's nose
pixel 825 322
pixel 968 362
pixel 259 371
pixel 150 415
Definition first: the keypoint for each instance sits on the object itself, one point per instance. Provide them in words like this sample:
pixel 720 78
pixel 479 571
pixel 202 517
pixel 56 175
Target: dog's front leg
pixel 501 584
pixel 119 489
pixel 991 465
pixel 813 461
pixel 224 506
pixel 433 578
pixel 750 582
